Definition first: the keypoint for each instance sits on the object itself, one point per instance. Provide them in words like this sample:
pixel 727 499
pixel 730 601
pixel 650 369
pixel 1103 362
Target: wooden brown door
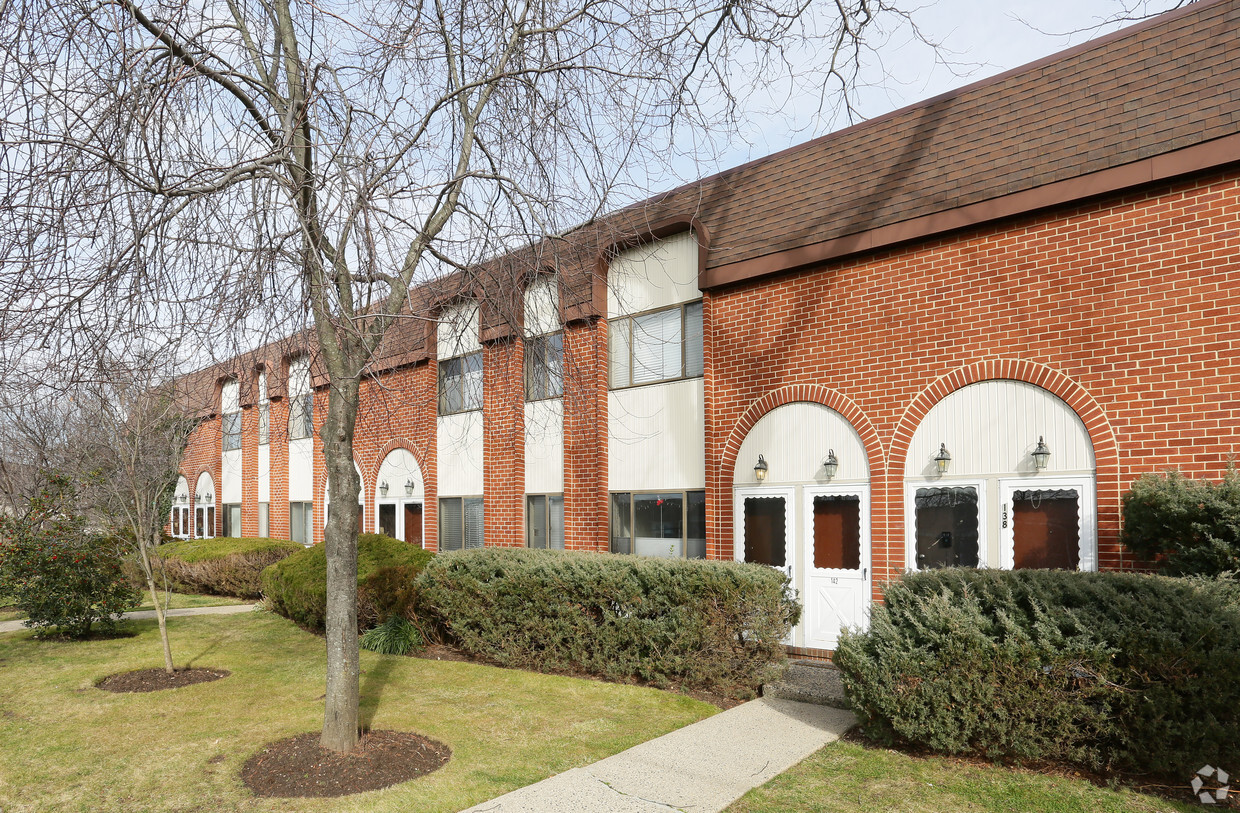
pixel 413 523
pixel 1046 529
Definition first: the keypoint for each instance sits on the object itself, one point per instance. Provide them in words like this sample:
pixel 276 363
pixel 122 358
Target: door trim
pixel 788 494
pixel 810 573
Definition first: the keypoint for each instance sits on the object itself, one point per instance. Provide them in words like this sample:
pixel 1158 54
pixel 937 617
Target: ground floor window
pixel 544 521
pixel 667 524
pixel 231 519
pixel 1046 529
pixel 837 531
pixel 460 523
pixel 264 519
pixel 301 522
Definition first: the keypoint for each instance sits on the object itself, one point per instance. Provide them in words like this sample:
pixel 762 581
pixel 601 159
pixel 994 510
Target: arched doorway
pixel 809 516
pixel 204 507
pixel 399 497
pixel 977 495
pixel 180 523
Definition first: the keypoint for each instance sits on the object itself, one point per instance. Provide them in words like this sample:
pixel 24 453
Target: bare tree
pixel 246 163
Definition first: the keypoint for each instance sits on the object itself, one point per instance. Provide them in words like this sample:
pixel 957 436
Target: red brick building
pixel 849 359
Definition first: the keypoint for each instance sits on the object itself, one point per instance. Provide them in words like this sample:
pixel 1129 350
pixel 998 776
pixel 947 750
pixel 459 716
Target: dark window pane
pixel 176 521
pixel 536 522
pixel 765 534
pixel 695 525
pixel 621 523
pixel 413 523
pixel 1046 529
pixel 947 527
pixel 387 519
pixel 232 431
pixel 837 532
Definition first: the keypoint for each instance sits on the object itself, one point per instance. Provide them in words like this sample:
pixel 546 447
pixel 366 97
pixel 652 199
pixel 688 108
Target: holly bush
pixel 62 576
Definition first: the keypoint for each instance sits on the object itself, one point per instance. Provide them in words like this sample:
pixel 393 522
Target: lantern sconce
pixel 383 488
pixel 409 487
pixel 759 471
pixel 1041 454
pixel 943 459
pixel 831 464
pixel 210 497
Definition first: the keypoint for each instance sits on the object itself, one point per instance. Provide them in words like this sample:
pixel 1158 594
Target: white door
pixel 1047 522
pixel 835 543
pixel 764 532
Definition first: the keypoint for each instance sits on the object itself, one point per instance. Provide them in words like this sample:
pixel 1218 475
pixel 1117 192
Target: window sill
pixel 654 383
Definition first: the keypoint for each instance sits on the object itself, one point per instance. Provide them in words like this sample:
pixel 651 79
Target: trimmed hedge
pixel 699 624
pixel 386 572
pixel 1189 527
pixel 1120 670
pixel 226 566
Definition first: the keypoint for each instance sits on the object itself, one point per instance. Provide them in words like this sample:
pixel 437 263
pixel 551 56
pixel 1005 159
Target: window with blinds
pixel 544 367
pixel 662 345
pixel 460 384
pixel 544 521
pixel 461 523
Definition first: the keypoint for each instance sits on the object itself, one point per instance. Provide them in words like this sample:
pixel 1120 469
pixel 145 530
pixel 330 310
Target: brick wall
pixel 1128 309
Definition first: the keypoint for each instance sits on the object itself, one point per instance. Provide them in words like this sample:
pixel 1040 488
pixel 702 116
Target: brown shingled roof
pixel 1164 85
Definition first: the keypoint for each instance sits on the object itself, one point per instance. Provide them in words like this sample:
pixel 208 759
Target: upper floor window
pixel 230 406
pixel 544 367
pixel 460 384
pixel 661 345
pixel 264 411
pixel 301 399
pixel 460 360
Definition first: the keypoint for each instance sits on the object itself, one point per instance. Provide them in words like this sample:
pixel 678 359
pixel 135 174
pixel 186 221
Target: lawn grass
pixel 849 777
pixel 65 745
pixel 176 601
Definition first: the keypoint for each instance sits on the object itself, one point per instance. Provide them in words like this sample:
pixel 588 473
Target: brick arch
pixel 391 446
pixel 192 482
pixel 793 393
pixel 1097 425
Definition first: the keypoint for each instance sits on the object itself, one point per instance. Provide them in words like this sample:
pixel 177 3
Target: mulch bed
pixel 300 767
pixel 154 680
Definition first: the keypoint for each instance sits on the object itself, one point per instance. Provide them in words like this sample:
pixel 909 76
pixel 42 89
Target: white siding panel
pixel 264 473
pixel 459 439
pixel 301 470
pixel 544 447
pixel 991 428
pixel 795 439
pixel 542 306
pixel 398 467
pixel 656 437
pixel 230 477
pixel 457 332
pixel 204 485
pixel 654 275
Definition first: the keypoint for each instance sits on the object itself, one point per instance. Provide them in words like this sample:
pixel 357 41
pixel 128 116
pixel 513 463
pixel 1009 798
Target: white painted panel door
pixel 835 551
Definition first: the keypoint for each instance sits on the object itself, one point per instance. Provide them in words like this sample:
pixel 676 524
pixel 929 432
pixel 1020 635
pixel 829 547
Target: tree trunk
pixel 340 719
pixel 144 556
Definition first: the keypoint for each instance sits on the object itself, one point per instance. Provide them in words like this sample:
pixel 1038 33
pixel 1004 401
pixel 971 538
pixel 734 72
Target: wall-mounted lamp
pixel 1041 454
pixel 831 464
pixel 210 497
pixel 943 459
pixel 383 488
pixel 409 487
pixel 759 471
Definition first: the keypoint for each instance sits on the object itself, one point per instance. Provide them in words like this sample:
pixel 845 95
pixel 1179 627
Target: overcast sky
pixel 990 36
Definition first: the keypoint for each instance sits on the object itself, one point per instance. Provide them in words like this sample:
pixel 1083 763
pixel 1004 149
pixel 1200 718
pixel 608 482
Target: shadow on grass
pixel 372 689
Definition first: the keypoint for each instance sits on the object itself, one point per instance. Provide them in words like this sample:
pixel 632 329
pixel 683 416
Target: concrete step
pixel 809 682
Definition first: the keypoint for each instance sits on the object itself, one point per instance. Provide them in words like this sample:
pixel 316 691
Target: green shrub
pixel 386 571
pixel 1102 669
pixel 396 636
pixel 711 625
pixel 61 576
pixel 225 566
pixel 1189 527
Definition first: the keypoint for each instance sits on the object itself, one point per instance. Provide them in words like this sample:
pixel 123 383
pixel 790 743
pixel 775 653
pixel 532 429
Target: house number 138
pixel 1005 515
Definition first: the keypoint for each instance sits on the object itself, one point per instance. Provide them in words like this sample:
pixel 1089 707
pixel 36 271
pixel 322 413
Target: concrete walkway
pixel 701 767
pixel 228 609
